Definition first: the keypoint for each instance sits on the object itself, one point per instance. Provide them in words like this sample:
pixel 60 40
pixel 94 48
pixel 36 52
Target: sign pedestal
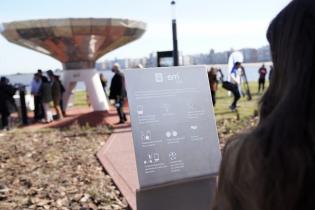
pixel 118 158
pixel 194 194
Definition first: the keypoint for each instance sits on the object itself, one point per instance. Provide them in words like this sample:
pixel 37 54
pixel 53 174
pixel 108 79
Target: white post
pixel 93 86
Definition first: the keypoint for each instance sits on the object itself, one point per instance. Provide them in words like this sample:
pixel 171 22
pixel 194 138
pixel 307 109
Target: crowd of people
pixel 262 71
pixel 237 77
pixel 46 90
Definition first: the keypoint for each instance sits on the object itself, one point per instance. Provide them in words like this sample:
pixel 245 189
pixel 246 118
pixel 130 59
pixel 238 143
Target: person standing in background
pixel 118 92
pixel 7 104
pixel 55 93
pixel 235 76
pixel 38 107
pixel 40 72
pixel 45 92
pixel 213 82
pixel 62 90
pixel 262 77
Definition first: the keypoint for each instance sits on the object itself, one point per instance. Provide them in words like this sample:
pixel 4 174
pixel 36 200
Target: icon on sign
pixel 194 127
pixel 174 133
pixel 169 134
pixel 152 158
pixel 146 135
pixel 172 155
pixel 140 110
pixel 158 77
pixel 156 157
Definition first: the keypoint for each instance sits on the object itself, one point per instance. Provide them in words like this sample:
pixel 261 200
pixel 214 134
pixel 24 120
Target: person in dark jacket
pixel 62 90
pixel 7 104
pixel 118 92
pixel 45 91
pixel 213 82
pixel 55 93
pixel 262 77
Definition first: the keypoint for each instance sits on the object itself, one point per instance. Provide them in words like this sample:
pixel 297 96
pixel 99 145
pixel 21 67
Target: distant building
pixel 251 55
pixel 186 60
pixel 152 60
pixel 264 54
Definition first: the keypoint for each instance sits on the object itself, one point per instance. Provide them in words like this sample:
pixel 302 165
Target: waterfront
pixel 250 68
pixel 26 79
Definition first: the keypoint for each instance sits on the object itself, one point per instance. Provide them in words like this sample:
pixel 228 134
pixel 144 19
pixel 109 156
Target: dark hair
pixel 50 72
pixel 3 79
pixel 273 166
pixel 45 79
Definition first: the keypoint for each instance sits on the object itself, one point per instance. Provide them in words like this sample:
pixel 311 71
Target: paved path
pixel 84 116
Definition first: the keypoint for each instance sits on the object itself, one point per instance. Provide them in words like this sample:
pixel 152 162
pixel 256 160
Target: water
pixel 250 69
pixel 251 72
pixel 26 79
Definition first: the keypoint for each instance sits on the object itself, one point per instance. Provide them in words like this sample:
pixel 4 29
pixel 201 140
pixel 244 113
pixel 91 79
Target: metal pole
pixel 23 106
pixel 174 30
pixel 175 48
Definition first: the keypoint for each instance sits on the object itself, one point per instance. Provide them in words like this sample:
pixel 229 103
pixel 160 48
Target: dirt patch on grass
pixel 55 169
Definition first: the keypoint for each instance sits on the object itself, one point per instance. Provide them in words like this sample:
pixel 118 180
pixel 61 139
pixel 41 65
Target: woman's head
pixel 280 152
pixel 292 41
pixel 273 166
pixel 3 80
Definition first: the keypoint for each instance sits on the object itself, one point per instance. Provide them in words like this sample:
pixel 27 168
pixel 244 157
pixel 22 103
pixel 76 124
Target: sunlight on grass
pixel 245 108
pixel 80 98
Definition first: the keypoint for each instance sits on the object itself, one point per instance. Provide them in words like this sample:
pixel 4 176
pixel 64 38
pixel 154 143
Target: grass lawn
pixel 245 108
pixel 80 98
pixel 228 123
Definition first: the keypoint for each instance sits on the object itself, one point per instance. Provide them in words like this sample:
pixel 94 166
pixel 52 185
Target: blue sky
pixel 202 25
